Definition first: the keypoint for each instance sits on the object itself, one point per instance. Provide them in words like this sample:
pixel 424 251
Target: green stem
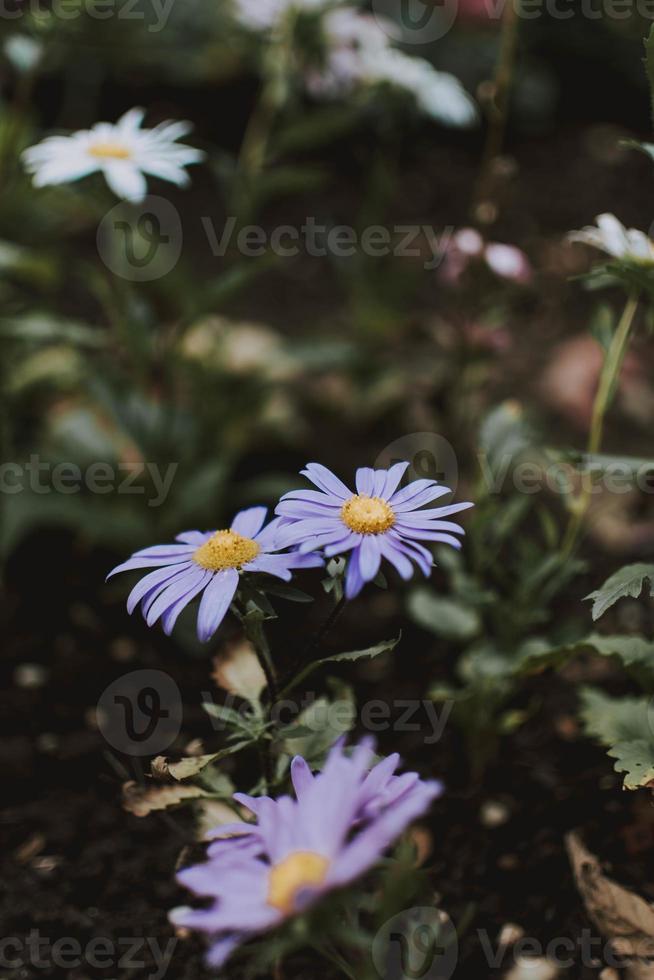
pixel 498 109
pixel 608 380
pixel 304 661
pixel 255 633
pixel 254 148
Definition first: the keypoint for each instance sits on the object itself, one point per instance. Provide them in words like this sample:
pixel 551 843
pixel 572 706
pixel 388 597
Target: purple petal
pixel 369 557
pixel 173 592
pixel 221 949
pixel 301 776
pixel 326 480
pixel 165 551
pixel 379 482
pixel 341 544
pixel 393 478
pixel 399 561
pixel 170 617
pixel 195 538
pixel 421 534
pixel 366 849
pixel 435 513
pixel 249 522
pixel 301 509
pixel 267 537
pixel 413 550
pixel 417 494
pixel 365 481
pixel 313 497
pixel 147 583
pixel 215 602
pixel 416 521
pixel 276 565
pixel 134 563
pixel 309 560
pixel 354 581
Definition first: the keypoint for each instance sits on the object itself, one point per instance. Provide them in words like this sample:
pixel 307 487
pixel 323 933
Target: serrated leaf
pixel 228 716
pixel 322 722
pixel 636 760
pixel 626 727
pixel 536 655
pixel 350 657
pixel 443 616
pixel 615 720
pixel 183 768
pixel 143 800
pixel 628 581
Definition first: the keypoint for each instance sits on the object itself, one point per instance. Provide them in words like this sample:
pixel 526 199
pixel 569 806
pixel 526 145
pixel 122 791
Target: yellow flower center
pixel 367 515
pixel 303 869
pixel 110 151
pixel 225 549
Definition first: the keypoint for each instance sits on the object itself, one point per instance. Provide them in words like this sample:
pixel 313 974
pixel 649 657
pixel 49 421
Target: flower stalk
pixel 608 382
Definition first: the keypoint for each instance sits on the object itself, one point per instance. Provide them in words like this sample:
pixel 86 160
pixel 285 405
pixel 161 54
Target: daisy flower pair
pixel 338 826
pixel 378 521
pixel 122 152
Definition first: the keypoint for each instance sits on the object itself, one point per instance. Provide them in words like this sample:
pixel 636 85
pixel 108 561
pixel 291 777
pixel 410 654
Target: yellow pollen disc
pixel 110 151
pixel 303 869
pixel 367 515
pixel 225 549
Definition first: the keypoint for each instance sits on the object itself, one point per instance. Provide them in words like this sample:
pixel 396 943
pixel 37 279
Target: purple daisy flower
pixel 378 521
pixel 209 563
pixel 337 828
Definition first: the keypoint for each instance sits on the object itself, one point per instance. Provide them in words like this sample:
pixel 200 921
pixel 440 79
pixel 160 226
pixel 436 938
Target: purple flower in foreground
pixel 209 563
pixel 337 828
pixel 378 521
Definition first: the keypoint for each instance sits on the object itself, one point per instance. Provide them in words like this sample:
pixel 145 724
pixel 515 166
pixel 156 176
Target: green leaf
pixel 615 720
pixel 39 327
pixel 319 725
pixel 228 716
pixel 445 617
pixel 628 581
pixel 536 655
pixel 626 727
pixel 350 657
pixel 288 592
pixel 184 768
pixel 636 760
pixel 504 434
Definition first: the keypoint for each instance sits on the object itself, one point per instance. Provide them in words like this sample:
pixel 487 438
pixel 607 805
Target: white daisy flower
pixel 122 152
pixel 260 14
pixel 360 53
pixel 612 237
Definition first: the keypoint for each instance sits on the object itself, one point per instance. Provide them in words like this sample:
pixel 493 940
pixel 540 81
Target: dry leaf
pixel 239 672
pixel 141 800
pixel 184 768
pixel 212 814
pixel 623 917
